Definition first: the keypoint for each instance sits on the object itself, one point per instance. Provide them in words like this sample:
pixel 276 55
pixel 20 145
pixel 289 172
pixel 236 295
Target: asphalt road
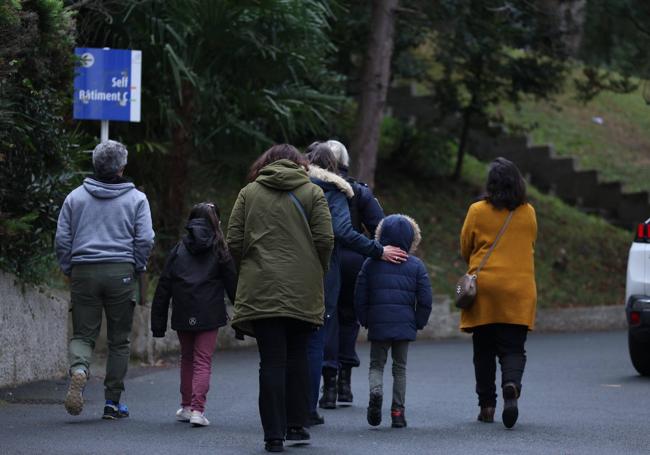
pixel 581 396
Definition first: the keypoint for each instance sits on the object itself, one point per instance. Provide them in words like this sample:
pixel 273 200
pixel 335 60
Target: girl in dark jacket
pixel 393 301
pixel 198 271
pixel 323 344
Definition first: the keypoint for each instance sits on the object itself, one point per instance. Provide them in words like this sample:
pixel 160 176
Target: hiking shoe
pixel 183 414
pixel 198 419
pixel 398 418
pixel 114 410
pixel 274 445
pixel 297 434
pixel 315 419
pixel 486 415
pixel 374 408
pixel 74 400
pixel 510 410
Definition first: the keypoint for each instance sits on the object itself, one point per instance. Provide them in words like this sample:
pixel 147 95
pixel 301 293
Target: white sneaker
pixel 183 414
pixel 197 419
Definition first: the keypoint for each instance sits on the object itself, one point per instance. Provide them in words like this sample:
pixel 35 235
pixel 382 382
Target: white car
pixel 637 299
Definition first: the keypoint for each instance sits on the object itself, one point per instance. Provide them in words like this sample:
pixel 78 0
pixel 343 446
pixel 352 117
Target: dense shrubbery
pixel 37 152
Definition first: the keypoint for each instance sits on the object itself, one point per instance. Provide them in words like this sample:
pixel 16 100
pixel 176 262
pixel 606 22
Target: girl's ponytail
pixel 210 212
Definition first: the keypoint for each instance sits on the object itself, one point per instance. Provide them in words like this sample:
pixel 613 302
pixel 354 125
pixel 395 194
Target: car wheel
pixel 639 354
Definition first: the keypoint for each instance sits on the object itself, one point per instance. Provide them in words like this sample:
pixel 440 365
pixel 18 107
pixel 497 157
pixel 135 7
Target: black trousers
pixel 284 374
pixel 505 341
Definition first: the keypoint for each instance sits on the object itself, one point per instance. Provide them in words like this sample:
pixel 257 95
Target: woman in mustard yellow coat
pixel 504 309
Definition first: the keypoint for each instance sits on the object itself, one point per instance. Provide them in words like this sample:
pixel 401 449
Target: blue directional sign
pixel 107 84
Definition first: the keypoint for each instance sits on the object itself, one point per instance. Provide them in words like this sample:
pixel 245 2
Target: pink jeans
pixel 196 362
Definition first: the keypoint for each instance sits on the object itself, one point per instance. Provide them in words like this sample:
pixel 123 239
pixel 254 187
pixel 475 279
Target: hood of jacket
pixel 330 181
pixel 200 236
pixel 284 175
pixel 399 230
pixel 106 190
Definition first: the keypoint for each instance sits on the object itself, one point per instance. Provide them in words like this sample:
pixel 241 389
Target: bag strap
pixel 496 240
pixel 298 204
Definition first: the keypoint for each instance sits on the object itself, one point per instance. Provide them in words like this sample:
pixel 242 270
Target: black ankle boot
pixel 374 408
pixel 297 434
pixel 345 388
pixel 510 409
pixel 315 419
pixel 328 400
pixel 274 445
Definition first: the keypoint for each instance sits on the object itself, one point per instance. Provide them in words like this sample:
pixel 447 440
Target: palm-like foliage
pixel 222 78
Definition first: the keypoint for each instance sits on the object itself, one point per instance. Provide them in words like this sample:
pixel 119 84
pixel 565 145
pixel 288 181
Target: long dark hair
pixel 321 155
pixel 209 211
pixel 275 153
pixel 505 188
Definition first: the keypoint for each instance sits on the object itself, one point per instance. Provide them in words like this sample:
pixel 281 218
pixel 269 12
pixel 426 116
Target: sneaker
pixel 397 416
pixel 374 408
pixel 197 419
pixel 297 434
pixel 114 410
pixel 184 414
pixel 74 400
pixel 274 445
pixel 510 410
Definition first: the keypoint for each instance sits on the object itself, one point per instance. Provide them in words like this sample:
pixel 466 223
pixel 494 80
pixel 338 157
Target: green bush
pixel 38 154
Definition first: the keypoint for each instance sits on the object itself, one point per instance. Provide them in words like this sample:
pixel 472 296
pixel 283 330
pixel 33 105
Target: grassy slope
pixel 596 251
pixel 619 148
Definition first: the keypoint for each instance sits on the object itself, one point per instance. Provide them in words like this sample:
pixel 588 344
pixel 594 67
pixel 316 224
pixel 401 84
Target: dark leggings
pixel 505 341
pixel 284 376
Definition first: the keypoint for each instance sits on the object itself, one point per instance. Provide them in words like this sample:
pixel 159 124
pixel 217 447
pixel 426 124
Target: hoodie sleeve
pixel 345 233
pixel 235 237
pixel 160 304
pixel 370 210
pixel 144 235
pixel 63 238
pixel 424 297
pixel 361 295
pixel 320 224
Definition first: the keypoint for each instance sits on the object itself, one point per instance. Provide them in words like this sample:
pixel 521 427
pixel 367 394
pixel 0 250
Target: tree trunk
pixel 374 87
pixel 173 213
pixel 462 142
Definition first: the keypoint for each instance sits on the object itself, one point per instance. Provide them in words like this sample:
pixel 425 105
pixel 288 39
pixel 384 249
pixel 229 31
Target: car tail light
pixel 635 318
pixel 642 233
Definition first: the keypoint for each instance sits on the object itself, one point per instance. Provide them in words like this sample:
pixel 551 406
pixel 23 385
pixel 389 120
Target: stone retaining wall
pixel 33 332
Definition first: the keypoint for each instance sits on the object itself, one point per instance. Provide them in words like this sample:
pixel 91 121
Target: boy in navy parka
pixel 393 301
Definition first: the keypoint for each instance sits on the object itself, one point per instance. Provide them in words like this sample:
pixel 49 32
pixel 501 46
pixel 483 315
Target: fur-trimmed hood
pixel 399 230
pixel 325 176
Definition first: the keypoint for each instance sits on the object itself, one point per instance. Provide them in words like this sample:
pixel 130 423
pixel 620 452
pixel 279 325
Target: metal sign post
pixel 107 86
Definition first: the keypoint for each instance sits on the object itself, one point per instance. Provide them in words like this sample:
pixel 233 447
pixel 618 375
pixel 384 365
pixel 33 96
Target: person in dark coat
pixel 322 170
pixel 198 272
pixel 365 214
pixel 393 301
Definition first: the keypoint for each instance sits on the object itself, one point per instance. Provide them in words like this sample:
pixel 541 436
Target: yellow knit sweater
pixel 506 291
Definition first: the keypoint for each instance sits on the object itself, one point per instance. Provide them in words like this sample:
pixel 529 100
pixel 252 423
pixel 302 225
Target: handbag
pixel 466 287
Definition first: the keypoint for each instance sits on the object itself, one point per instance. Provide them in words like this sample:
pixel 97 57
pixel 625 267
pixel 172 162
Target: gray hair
pixel 340 152
pixel 109 158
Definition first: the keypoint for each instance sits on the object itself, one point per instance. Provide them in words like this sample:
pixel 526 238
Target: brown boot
pixel 486 415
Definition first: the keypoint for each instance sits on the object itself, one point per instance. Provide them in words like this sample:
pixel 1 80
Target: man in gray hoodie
pixel 103 240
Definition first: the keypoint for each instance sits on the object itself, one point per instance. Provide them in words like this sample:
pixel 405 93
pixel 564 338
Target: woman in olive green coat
pixel 280 236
